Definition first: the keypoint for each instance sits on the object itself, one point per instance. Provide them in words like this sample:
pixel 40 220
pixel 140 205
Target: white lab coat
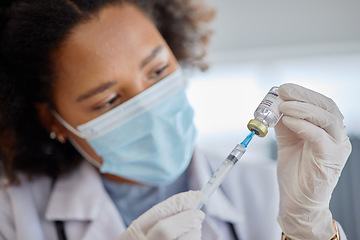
pixel 248 198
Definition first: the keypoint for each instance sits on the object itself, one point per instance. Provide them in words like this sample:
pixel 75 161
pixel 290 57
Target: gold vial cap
pixel 257 127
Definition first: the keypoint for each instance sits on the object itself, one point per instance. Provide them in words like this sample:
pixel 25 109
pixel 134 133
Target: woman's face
pixel 104 62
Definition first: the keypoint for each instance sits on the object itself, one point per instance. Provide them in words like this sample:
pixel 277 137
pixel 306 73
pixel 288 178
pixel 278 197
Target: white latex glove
pixel 174 218
pixel 312 150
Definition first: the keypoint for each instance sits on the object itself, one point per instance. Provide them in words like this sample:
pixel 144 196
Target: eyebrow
pixel 107 85
pixel 96 90
pixel 151 56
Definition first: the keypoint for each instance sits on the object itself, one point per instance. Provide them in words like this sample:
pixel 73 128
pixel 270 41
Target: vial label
pixel 267 114
pixel 271 102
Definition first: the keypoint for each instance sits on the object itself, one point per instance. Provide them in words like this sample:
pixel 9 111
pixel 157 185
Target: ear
pixel 50 123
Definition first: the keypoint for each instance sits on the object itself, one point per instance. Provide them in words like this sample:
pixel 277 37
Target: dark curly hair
pixel 30 31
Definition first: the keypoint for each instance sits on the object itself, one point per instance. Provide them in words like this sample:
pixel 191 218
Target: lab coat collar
pixel 80 196
pixel 72 196
pixel 219 204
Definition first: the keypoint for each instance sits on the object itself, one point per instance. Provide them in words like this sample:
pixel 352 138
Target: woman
pixel 102 78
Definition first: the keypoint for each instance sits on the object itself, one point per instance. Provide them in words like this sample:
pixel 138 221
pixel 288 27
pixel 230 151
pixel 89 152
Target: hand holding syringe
pixel 220 174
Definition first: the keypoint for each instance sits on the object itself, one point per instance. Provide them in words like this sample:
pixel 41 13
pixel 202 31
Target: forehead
pixel 118 33
pixel 117 26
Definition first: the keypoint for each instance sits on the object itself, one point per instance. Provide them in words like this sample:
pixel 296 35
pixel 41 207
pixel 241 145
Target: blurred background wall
pixel 260 44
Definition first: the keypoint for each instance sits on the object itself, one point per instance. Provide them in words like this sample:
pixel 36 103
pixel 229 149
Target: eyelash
pixel 158 72
pixel 109 103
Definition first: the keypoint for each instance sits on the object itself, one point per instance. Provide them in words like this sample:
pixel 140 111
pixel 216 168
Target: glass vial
pixel 267 114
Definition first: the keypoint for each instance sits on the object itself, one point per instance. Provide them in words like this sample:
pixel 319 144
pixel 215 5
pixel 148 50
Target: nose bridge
pixel 135 86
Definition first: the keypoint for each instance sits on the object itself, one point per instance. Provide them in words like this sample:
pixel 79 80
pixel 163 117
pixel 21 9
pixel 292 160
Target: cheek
pixel 84 145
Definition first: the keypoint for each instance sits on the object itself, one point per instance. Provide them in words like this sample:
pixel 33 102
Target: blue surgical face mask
pixel 148 139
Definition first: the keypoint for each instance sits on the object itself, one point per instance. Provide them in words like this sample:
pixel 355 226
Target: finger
pixel 281 130
pixel 322 144
pixel 304 129
pixel 171 206
pixel 178 225
pixel 284 136
pixel 293 92
pixel 317 116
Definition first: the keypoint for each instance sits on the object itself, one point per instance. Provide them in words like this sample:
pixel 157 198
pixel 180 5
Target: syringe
pixel 218 177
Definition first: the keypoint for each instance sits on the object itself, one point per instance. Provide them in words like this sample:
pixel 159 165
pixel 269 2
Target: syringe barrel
pixel 237 153
pixel 220 174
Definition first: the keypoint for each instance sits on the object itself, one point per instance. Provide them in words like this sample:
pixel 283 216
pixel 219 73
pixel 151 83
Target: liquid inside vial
pixel 267 114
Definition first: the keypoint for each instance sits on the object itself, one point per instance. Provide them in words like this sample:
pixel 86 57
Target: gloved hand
pixel 312 150
pixel 174 218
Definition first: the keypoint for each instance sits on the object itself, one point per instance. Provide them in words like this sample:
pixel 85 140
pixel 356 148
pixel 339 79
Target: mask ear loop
pixel 74 143
pixel 67 125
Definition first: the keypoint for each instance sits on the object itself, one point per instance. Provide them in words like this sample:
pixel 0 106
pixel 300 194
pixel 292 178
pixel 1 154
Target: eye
pixel 112 102
pixel 159 73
